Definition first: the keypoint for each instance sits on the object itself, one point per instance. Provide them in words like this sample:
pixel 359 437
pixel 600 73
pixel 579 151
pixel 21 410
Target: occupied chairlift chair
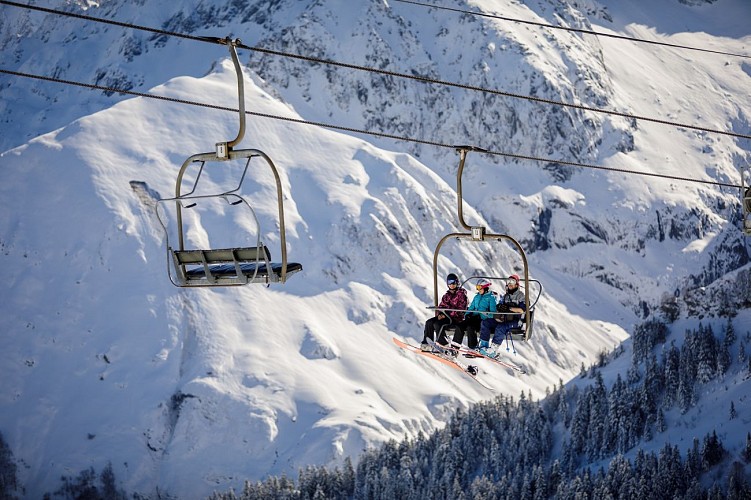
pixel 477 234
pixel 233 266
pixel 521 332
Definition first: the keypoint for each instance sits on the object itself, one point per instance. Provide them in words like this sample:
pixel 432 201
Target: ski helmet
pixel 452 279
pixel 483 283
pixel 514 277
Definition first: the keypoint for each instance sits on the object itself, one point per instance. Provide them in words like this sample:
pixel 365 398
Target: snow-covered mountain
pixel 190 391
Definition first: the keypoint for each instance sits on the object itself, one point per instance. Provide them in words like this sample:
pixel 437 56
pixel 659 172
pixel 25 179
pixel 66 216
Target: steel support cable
pixel 422 79
pixel 575 30
pixel 224 108
pixel 368 132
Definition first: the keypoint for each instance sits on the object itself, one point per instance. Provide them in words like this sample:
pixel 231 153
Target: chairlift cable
pixel 423 79
pixel 475 88
pixel 575 30
pixel 368 132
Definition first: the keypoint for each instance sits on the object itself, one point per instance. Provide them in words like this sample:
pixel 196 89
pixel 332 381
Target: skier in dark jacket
pixel 513 302
pixel 454 298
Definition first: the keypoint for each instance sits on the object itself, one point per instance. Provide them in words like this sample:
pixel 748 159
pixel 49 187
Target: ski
pixel 444 358
pixel 471 353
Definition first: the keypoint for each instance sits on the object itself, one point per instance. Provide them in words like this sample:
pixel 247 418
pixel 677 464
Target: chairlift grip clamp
pixel 222 150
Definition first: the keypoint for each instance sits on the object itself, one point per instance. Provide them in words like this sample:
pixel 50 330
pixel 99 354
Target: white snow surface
pixel 195 390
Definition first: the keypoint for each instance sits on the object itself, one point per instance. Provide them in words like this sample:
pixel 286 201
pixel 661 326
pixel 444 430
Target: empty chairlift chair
pixel 227 265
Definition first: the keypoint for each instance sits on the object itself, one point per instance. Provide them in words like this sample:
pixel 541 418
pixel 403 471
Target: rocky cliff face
pixel 462 49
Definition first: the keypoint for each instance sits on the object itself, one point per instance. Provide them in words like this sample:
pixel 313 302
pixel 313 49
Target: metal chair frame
pixel 478 234
pixel 214 262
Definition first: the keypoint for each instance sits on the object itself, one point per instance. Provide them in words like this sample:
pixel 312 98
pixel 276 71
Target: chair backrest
pixel 223 255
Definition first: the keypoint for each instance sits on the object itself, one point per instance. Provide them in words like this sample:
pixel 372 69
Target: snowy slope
pixel 104 360
pixel 236 383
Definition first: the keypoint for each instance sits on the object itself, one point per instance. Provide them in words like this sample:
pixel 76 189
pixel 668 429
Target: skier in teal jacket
pixel 484 300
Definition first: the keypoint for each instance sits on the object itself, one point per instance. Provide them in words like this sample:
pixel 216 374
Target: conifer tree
pixel 706 355
pixel 712 451
pixel 633 375
pixel 671 366
pixel 742 352
pixel 554 478
pixel 715 493
pixel 730 336
pixel 649 427
pixel 661 425
pixel 540 484
pixel 568 461
pixel 723 356
pixel 109 484
pixel 738 487
pixel 8 471
pixel 653 378
pixel 695 491
pixel 580 422
pixel 746 453
pixel 347 478
pixel 693 460
pixel 483 488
